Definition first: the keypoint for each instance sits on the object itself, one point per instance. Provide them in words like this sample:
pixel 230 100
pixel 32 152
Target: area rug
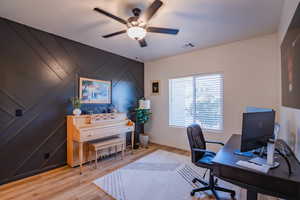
pixel 160 175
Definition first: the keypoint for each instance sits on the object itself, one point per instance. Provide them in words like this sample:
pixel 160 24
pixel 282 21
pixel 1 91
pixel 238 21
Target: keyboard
pixel 261 168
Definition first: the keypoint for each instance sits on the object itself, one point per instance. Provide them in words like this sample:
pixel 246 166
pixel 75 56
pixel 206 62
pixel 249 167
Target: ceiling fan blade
pixel 162 30
pixel 148 14
pixel 143 43
pixel 114 34
pixel 110 15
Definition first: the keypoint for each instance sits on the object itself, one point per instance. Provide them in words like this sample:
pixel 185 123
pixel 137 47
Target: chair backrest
pixel 195 136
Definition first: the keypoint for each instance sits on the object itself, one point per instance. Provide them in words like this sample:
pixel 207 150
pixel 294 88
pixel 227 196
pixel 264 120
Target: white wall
pixel 251 77
pixel 289 117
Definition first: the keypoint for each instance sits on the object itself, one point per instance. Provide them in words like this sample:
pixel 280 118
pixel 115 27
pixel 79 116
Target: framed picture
pixel 94 91
pixel 290 64
pixel 155 88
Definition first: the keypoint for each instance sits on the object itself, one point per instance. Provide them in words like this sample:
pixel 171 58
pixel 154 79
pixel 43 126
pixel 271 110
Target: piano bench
pixel 98 145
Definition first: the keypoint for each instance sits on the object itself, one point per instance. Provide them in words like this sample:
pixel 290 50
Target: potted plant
pixel 142 116
pixel 76 105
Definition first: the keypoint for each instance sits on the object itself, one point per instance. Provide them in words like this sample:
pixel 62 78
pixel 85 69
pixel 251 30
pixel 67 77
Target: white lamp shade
pixel 147 104
pixel 136 32
pixel 144 104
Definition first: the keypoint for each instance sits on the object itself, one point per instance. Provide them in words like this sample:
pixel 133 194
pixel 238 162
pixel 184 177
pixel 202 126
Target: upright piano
pixel 84 128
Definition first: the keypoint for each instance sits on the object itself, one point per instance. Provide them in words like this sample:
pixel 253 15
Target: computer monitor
pixel 258 128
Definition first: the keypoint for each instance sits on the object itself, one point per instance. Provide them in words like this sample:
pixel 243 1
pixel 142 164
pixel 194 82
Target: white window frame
pixel 194 83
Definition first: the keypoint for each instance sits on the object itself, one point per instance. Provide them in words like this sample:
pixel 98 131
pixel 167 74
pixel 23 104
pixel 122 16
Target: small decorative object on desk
pixel 143 114
pixel 76 105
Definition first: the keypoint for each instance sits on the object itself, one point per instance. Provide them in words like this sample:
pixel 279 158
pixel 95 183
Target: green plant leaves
pixel 142 115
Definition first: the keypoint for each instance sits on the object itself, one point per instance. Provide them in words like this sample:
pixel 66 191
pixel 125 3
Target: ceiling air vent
pixel 188 45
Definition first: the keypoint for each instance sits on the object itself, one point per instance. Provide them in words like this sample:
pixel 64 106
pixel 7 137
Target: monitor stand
pixel 270 157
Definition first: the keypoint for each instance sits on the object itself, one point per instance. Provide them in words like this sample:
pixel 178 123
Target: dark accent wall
pixel 38 74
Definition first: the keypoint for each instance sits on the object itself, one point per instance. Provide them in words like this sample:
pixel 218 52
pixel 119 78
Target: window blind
pixel 197 99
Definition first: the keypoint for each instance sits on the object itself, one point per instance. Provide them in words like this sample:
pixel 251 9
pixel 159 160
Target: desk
pixel 275 183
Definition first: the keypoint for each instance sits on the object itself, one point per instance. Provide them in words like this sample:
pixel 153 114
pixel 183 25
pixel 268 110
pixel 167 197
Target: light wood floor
pixel 66 184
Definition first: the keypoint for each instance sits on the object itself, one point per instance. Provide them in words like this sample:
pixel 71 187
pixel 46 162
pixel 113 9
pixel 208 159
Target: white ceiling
pixel 204 23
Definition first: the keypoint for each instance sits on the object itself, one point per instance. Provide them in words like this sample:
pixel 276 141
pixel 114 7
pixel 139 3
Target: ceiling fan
pixel 137 25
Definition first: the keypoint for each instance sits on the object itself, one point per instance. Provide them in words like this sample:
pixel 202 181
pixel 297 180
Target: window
pixel 197 99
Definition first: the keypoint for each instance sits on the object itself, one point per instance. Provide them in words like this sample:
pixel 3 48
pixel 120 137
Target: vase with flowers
pixel 76 105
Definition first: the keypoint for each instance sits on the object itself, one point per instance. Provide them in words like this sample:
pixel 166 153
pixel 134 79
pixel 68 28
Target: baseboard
pixel 171 147
pixel 31 173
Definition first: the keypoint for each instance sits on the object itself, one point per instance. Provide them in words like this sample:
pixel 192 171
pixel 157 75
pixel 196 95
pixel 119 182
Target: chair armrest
pixel 214 142
pixel 202 150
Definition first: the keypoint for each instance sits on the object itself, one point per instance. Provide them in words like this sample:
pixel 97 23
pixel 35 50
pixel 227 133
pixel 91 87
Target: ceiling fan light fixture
pixel 136 32
pixel 137 25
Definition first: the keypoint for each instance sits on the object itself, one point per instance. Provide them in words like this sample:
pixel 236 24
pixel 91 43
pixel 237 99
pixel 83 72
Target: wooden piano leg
pixel 80 156
pixel 132 141
pixel 116 151
pixel 123 148
pixel 96 159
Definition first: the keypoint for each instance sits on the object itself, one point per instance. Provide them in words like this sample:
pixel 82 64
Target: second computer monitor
pixel 258 128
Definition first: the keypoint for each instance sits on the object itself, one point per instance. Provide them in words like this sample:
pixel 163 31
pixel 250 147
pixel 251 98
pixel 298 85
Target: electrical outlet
pixel 46 156
pixel 188 45
pixel 19 113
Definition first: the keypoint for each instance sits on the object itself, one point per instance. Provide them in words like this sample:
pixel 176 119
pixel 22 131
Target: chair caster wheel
pixel 216 182
pixel 192 193
pixel 194 180
pixel 232 196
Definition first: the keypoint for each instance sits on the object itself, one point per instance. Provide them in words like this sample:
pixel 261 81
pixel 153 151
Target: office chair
pixel 202 157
